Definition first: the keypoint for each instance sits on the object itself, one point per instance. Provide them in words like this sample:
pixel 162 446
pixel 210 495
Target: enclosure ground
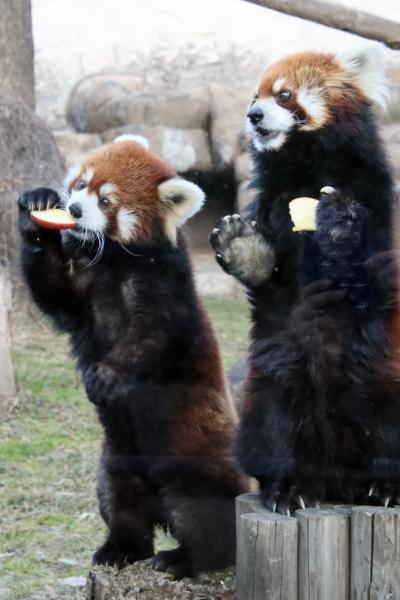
pixel 49 525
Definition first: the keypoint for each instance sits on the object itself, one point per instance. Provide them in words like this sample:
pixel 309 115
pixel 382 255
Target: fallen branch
pixel 339 17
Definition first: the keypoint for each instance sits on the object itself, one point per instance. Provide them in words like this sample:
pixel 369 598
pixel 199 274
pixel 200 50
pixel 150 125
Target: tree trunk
pixel 16 51
pixel 340 17
pixel 7 384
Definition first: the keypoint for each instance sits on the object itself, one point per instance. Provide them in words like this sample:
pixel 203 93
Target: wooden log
pixel 324 554
pixel 375 553
pixel 266 557
pixel 341 17
pixel 7 383
pixel 247 503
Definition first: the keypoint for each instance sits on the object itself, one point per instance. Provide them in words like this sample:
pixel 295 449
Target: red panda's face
pixel 307 91
pixel 126 193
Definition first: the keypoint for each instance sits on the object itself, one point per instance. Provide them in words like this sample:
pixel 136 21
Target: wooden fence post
pixel 7 384
pixel 375 553
pixel 324 554
pixel 267 557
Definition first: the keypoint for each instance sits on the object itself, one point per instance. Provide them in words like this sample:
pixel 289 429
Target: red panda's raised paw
pixel 241 250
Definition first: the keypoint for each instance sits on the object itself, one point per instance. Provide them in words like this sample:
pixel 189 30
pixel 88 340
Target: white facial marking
pixel 277 122
pixel 71 174
pixel 108 188
pixel 139 139
pixel 93 219
pixel 183 199
pixel 311 99
pixel 126 222
pixel 278 85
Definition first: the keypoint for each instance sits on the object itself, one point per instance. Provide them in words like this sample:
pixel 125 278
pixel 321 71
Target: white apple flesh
pixel 53 218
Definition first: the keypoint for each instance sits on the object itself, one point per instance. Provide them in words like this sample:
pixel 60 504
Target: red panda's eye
pixel 81 184
pixel 284 95
pixel 105 202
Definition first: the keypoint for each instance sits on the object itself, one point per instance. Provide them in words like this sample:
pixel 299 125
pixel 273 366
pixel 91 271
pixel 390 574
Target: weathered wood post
pixel 375 553
pixel 324 554
pixel 266 554
pixel 7 384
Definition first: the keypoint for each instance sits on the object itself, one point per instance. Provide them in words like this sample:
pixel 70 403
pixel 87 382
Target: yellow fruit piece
pixel 303 213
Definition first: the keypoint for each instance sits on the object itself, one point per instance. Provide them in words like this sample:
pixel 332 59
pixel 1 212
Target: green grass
pixel 49 525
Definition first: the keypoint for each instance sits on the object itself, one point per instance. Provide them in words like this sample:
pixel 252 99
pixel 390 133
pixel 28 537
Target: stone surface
pixel 242 167
pixel 28 157
pixel 391 137
pixel 74 147
pixel 140 582
pixel 102 102
pixel 244 196
pixel 184 149
pixel 73 582
pixel 228 119
pixel 211 280
pixel 175 43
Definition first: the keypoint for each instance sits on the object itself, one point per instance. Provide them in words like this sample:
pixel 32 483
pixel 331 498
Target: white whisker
pixel 126 250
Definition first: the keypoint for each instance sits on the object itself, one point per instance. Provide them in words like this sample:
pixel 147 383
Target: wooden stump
pixel 375 553
pixel 7 383
pixel 324 554
pixel 267 557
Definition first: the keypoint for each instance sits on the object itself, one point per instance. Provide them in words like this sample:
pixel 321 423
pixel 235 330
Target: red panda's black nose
pixel 76 210
pixel 255 115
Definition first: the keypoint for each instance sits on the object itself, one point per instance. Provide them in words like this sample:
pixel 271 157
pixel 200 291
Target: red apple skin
pixel 48 220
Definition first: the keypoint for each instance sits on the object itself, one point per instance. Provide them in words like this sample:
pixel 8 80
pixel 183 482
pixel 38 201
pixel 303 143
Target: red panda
pixel 120 284
pixel 322 403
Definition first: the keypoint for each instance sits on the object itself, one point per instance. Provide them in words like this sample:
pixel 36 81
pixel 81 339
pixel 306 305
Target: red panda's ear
pixel 139 139
pixel 365 67
pixel 182 199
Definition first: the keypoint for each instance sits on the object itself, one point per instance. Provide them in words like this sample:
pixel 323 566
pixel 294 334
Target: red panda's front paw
pixel 287 497
pixel 101 383
pixel 38 199
pixel 242 251
pixel 110 555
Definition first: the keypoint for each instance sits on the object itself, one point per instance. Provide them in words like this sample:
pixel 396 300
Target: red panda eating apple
pixel 120 284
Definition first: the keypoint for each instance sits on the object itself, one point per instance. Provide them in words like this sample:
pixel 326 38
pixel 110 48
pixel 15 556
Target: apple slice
pixel 303 213
pixel 53 218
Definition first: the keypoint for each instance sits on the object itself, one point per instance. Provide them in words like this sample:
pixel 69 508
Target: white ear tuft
pixel 365 66
pixel 183 200
pixel 71 174
pixel 139 139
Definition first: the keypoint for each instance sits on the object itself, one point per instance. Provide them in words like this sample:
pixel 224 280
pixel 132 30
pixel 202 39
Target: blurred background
pixel 73 75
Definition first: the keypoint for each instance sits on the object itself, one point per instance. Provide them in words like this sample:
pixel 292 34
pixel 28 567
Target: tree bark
pixel 16 51
pixel 339 17
pixel 7 384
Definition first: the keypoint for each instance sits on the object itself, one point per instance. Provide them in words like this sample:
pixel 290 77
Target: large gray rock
pixel 244 195
pixel 242 167
pixel 391 137
pixel 184 149
pixel 28 157
pixel 228 119
pixel 74 147
pixel 101 102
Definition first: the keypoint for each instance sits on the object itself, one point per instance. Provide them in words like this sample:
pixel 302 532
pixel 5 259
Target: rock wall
pixel 174 43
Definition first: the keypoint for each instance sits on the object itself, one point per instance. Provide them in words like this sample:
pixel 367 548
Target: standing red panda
pixel 120 284
pixel 322 408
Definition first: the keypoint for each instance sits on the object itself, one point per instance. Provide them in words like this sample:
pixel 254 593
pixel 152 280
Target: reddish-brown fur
pixel 313 70
pixel 137 173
